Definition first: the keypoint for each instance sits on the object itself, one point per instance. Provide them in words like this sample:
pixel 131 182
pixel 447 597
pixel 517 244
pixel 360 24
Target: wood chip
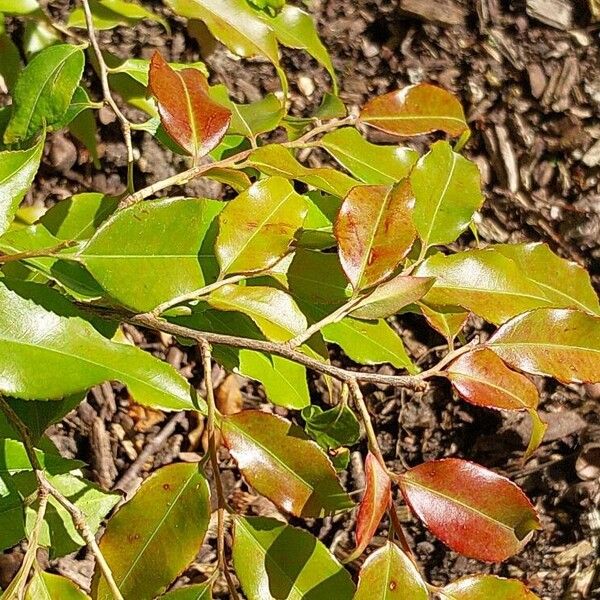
pixel 442 11
pixel 592 157
pixel 556 13
pixel 537 80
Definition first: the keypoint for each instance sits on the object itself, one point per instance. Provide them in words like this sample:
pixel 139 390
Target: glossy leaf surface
pixel 201 591
pixel 275 561
pixel 447 320
pixel 368 162
pixel 560 343
pixel 274 311
pixel 473 510
pixel 44 90
pixel 333 427
pixel 481 378
pixel 108 14
pixel 257 227
pixel 415 110
pixel 375 502
pixel 485 587
pixel 390 296
pixel 138 541
pixel 447 192
pixel 189 115
pixel 374 232
pixel 49 356
pixel 149 233
pixel 388 574
pixel 17 171
pixel 282 463
pixel 47 586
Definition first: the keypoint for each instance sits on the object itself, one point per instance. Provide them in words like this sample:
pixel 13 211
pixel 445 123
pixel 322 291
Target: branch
pixel 108 97
pixel 37 253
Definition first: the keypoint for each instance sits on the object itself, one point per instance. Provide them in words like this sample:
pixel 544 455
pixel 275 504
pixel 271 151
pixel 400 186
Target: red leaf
pixel 472 509
pixel 187 113
pixel 376 500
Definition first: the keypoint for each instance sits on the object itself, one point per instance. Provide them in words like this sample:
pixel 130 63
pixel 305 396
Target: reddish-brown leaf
pixel 482 378
pixel 374 231
pixel 415 110
pixel 195 121
pixel 376 500
pixel 470 508
pixel 487 587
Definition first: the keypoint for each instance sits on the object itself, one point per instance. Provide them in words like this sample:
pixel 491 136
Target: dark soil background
pixel 527 74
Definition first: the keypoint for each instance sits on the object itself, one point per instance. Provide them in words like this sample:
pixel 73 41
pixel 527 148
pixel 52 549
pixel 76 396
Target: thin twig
pixel 108 97
pixel 205 351
pixel 37 253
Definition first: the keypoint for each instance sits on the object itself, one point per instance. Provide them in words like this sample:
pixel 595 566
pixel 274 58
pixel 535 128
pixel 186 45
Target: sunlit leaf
pixel 282 463
pixel 201 591
pixel 560 343
pixel 368 162
pixel 485 587
pixel 415 110
pixel 10 67
pixel 257 227
pixel 48 586
pixel 107 14
pixel 44 90
pixel 388 574
pixel 447 192
pixel 374 232
pixel 473 510
pixel 18 7
pixel 275 561
pixel 374 504
pixel 481 378
pixel 138 541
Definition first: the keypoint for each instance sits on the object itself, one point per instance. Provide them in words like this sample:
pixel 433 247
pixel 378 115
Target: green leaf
pixel 282 463
pixel 44 90
pixel 559 343
pixel 415 110
pixel 250 120
pixel 138 541
pixel 274 159
pixel 10 67
pixel 235 24
pixel 49 356
pixel 201 591
pixel 17 171
pixel 149 233
pixel 80 102
pixel 107 14
pixel 18 7
pixel 374 232
pixel 317 231
pixel 388 574
pixel 78 217
pixel 447 320
pixel 447 191
pixel 368 162
pixel 138 68
pixel 47 586
pixel 331 428
pixel 295 28
pixel 275 561
pixel 331 107
pixel 274 311
pixel 485 282
pixel 484 587
pixel 257 227
pixel 38 35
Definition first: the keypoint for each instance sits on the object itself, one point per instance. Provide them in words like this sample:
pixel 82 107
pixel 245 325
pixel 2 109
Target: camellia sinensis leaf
pixel 485 587
pixel 49 356
pixel 48 586
pixel 559 343
pixel 375 502
pixel 388 574
pixel 257 227
pixel 481 378
pixel 44 90
pixel 138 541
pixel 447 190
pixel 201 591
pixel 368 162
pixel 108 14
pixel 18 7
pixel 374 232
pixel 282 463
pixel 447 320
pixel 415 110
pixel 331 428
pixel 275 561
pixel 475 511
pixel 17 171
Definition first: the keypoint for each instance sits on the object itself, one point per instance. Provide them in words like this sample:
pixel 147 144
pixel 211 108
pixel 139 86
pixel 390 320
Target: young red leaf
pixel 415 110
pixel 376 500
pixel 470 508
pixel 374 231
pixel 195 121
pixel 486 587
pixel 388 574
pixel 481 378
pixel 560 343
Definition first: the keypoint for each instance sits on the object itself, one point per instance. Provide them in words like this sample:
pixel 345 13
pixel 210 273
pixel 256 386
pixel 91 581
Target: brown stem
pixel 40 252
